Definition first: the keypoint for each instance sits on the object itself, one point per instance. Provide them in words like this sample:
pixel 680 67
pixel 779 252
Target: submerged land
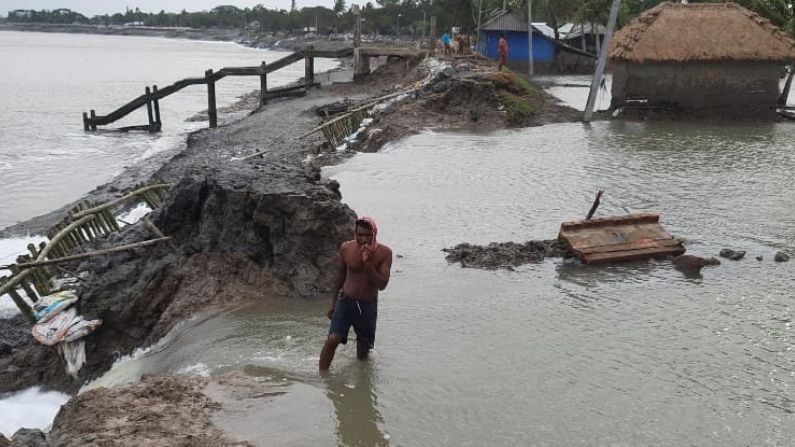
pixel 243 227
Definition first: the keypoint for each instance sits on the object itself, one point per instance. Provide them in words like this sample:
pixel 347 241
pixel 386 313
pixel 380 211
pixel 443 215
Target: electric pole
pixel 600 65
pixel 530 38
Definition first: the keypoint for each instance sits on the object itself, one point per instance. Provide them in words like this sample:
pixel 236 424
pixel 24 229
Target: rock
pixel 693 264
pixel 440 87
pixel 781 257
pixel 4 442
pixel 731 254
pixel 448 72
pixel 28 437
pixel 759 258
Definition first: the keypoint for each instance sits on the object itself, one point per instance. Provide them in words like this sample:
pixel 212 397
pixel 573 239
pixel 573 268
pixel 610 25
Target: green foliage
pixel 518 108
pixel 384 19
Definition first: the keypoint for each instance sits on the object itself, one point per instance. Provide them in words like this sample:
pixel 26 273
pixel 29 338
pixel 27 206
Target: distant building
pixel 582 36
pixel 717 58
pixel 548 54
pixel 515 30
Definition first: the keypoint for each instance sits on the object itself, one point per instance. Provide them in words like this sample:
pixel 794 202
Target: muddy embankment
pixel 243 228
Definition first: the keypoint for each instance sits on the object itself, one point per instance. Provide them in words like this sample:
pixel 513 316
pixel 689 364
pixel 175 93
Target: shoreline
pixel 278 41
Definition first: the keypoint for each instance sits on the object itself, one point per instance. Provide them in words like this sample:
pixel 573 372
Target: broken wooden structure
pixel 32 275
pixel 619 238
pixel 337 129
pixel 152 96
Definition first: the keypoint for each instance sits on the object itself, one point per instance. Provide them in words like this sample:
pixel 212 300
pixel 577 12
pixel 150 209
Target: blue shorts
pixel 357 313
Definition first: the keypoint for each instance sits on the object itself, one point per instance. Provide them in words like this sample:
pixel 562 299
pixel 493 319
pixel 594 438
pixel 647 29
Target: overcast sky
pixel 99 7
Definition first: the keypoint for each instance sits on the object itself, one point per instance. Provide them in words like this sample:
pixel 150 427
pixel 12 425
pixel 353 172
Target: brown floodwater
pixel 552 353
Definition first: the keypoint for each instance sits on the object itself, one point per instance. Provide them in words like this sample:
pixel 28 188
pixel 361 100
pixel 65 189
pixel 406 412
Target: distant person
pixel 461 44
pixel 364 267
pixel 502 49
pixel 446 43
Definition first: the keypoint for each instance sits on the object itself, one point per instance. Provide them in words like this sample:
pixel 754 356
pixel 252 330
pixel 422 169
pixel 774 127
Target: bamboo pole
pixel 148 223
pixel 122 199
pixel 93 253
pixel 62 235
pixel 111 219
pixel 27 312
pixel 15 269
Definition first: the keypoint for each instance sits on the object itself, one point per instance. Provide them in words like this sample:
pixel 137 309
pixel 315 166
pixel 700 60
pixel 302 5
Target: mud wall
pixel 709 85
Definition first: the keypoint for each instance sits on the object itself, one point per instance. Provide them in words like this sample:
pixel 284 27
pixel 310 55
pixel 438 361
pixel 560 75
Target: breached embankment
pixel 244 228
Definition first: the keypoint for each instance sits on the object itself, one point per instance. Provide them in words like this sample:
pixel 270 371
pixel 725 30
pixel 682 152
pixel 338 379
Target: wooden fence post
pixel 86 126
pixel 309 74
pixel 212 112
pixel 149 113
pixel 263 84
pixel 158 123
pixel 93 117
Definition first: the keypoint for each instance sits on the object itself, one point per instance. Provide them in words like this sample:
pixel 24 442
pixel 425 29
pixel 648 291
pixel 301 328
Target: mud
pixel 505 255
pixel 158 410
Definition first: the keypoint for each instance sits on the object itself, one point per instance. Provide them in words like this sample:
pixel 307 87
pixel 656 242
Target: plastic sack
pixel 50 305
pixel 74 354
pixel 80 328
pixel 53 331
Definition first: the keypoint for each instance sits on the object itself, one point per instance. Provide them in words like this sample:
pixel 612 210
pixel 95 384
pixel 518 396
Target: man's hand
pixel 366 251
pixel 330 311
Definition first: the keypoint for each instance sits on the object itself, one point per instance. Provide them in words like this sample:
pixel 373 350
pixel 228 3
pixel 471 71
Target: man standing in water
pixel 363 271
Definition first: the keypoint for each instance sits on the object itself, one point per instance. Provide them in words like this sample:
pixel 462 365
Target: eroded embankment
pixel 243 228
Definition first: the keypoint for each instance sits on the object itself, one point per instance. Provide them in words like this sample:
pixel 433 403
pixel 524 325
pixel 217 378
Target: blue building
pixel 515 30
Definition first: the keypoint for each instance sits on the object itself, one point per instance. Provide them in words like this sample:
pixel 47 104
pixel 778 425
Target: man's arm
pixel 339 281
pixel 379 275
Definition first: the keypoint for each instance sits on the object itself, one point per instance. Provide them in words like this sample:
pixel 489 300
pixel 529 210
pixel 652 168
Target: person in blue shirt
pixel 446 42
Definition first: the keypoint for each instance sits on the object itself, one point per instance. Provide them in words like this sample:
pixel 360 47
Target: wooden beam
pixel 93 253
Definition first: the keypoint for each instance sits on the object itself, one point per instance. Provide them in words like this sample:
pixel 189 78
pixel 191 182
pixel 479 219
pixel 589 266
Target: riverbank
pixel 271 41
pixel 268 224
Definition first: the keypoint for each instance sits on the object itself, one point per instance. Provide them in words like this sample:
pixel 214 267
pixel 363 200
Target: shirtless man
pixel 363 271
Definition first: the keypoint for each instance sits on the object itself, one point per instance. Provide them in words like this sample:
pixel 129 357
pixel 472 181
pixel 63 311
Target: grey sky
pixel 99 7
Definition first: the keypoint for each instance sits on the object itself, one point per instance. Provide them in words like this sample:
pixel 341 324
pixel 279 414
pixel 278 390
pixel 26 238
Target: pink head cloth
pixel 370 221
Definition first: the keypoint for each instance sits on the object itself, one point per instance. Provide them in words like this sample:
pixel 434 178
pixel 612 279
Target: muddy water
pixel 549 354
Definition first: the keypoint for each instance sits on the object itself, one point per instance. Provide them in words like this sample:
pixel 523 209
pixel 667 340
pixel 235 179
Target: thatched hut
pixel 705 57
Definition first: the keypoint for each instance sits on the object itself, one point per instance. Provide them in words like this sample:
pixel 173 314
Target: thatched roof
pixel 672 32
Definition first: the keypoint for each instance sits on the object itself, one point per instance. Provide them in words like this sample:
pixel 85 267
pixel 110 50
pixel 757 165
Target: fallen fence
pixel 32 274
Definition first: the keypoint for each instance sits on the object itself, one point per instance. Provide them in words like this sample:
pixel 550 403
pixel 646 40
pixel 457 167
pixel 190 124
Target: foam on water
pixel 31 408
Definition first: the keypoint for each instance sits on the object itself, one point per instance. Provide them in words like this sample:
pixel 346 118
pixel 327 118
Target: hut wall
pixel 698 85
pixel 543 48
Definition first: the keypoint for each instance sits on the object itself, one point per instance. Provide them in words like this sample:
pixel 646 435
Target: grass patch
pixel 518 108
pixel 516 83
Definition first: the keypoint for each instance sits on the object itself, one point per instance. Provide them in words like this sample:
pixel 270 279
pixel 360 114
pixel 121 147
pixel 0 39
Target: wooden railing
pixel 152 96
